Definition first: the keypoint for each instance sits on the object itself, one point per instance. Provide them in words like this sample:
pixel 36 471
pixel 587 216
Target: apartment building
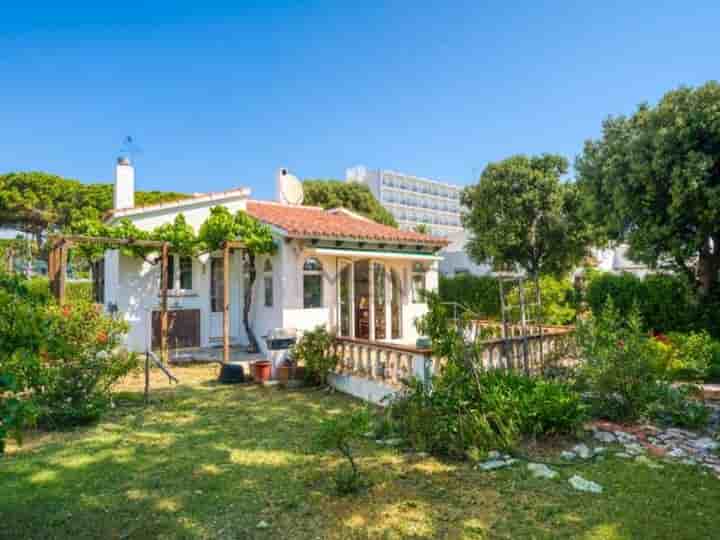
pixel 413 200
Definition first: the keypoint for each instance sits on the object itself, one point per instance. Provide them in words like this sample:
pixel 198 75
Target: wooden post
pixel 62 271
pixel 147 377
pixel 163 304
pixel 52 270
pixel 226 303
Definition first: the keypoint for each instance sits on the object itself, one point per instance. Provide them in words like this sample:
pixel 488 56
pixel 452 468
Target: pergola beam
pixel 81 239
pixel 57 269
pixel 226 302
pixel 164 353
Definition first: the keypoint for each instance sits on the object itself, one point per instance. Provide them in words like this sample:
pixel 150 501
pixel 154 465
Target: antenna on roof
pixel 129 150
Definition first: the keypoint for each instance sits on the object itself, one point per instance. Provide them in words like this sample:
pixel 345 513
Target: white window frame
pixel 314 273
pixel 268 275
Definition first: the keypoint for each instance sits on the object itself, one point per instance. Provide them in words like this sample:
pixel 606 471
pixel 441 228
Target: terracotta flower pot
pixel 263 371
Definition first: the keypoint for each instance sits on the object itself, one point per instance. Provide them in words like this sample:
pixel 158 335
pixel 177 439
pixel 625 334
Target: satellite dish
pixel 290 189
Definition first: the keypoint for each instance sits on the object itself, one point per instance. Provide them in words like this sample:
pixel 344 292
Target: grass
pixel 210 461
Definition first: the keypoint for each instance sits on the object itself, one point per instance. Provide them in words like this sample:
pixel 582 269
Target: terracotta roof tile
pixel 337 223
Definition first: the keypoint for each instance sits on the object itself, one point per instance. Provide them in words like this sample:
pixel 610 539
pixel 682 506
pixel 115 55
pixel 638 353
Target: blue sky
pixel 222 94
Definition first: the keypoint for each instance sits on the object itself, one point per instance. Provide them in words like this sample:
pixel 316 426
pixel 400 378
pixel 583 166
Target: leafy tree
pixel 422 228
pixel 522 215
pixel 653 180
pixel 350 195
pixel 257 239
pixel 36 202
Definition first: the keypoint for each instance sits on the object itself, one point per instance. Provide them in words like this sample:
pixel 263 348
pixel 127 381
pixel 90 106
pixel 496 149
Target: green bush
pixel 665 302
pixel 551 407
pixel 15 413
pixel 621 363
pixel 314 350
pixel 465 408
pixel 691 354
pixel 65 357
pixel 557 296
pixel 75 291
pixel 459 412
pixel 677 406
pixel 341 433
pixel 480 294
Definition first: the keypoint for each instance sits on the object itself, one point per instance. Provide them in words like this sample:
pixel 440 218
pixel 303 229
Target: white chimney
pixel 124 192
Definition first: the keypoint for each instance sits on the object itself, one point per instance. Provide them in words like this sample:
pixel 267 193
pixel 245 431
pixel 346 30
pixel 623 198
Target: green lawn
pixel 209 461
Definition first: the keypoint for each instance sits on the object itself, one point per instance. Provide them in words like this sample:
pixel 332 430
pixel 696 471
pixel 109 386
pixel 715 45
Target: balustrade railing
pixel 390 363
pixel 384 362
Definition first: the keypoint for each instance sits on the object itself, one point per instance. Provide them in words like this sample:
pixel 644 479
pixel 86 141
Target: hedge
pixel 39 287
pixel 666 302
pixel 481 294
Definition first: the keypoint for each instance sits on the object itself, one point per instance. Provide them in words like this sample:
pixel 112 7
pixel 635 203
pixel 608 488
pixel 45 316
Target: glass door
pixel 379 298
pixel 361 270
pixel 345 298
pixel 395 305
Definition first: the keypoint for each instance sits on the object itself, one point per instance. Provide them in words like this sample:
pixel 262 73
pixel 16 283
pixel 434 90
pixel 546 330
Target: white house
pixel 334 268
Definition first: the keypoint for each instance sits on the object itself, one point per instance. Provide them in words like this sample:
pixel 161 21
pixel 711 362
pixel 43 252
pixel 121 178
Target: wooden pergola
pixel 57 271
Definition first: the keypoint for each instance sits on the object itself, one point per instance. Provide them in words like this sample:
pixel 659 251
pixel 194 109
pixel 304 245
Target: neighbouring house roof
pixel 313 221
pixel 298 221
pixel 241 193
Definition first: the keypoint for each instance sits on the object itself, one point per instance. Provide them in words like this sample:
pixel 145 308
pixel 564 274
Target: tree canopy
pixel 653 180
pixel 36 202
pixel 350 195
pixel 521 214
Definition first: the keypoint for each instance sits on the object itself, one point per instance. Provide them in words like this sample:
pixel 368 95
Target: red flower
pixel 662 338
pixel 66 310
pixel 102 337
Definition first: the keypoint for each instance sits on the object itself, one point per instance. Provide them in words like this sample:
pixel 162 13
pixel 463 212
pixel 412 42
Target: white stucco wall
pixel 134 285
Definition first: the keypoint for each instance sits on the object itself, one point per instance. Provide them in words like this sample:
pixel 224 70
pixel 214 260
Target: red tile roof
pixel 313 221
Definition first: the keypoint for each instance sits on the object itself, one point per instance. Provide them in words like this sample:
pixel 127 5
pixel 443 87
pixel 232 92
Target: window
pixel 216 285
pixel 171 273
pixel 182 279
pixel 418 283
pixel 186 277
pixel 268 280
pixel 312 283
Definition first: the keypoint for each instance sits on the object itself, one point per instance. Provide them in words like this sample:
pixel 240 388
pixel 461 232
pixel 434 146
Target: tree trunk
pixel 252 340
pixel 709 266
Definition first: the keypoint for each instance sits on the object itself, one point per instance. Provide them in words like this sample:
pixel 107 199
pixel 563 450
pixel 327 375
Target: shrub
pixel 691 355
pixel 15 414
pixel 559 305
pixel 465 408
pixel 456 413
pixel 664 301
pixel 314 350
pixel 677 406
pixel 460 411
pixel 75 291
pixel 64 356
pixel 340 433
pixel 480 294
pixel 621 364
pixel 552 407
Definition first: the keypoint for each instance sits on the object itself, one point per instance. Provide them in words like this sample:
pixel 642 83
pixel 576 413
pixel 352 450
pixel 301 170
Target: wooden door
pixel 183 328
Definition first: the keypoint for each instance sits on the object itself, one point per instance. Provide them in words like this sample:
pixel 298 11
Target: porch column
pixel 371 299
pixel 388 302
pixel 164 303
